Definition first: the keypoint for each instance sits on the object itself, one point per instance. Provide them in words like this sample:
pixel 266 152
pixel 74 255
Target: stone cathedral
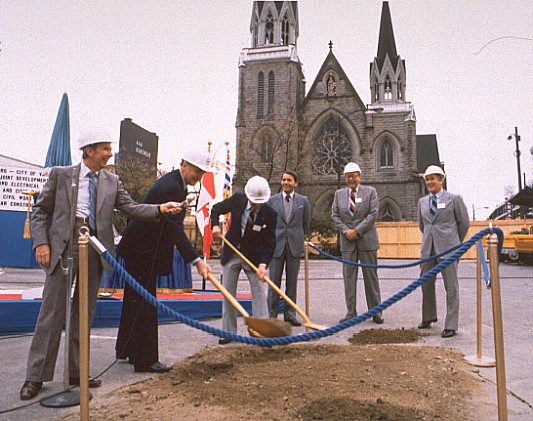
pixel 280 126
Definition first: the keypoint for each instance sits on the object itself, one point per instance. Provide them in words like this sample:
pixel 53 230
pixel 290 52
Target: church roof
pixel 427 151
pixel 279 5
pixel 386 44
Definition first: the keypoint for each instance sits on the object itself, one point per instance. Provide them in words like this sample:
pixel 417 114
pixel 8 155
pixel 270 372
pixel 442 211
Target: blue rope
pixel 369 265
pixel 308 336
pixel 486 276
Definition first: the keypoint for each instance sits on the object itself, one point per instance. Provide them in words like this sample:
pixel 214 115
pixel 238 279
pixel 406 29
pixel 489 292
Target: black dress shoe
pixel 75 381
pixel 30 390
pixel 378 320
pixel 448 333
pixel 426 324
pixel 347 318
pixel 153 368
pixel 293 322
pixel 223 341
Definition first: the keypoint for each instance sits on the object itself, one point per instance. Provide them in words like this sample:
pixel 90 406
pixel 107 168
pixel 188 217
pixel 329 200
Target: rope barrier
pixel 308 336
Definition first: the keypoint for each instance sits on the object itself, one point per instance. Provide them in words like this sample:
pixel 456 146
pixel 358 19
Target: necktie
pixel 93 185
pixel 433 206
pixel 353 196
pixel 250 222
pixel 288 206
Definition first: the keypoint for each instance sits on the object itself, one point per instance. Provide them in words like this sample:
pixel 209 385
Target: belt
pixel 84 220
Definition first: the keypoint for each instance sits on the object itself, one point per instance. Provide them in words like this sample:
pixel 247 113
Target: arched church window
pixel 269 29
pixel 376 90
pixel 387 215
pixel 386 155
pixel 260 95
pixel 331 85
pixel 388 88
pixel 285 25
pixel 267 148
pixel 271 92
pixel 331 148
pixel 400 93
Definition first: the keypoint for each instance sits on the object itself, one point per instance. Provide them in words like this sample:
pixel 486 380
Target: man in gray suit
pixel 443 220
pixel 294 217
pixel 74 196
pixel 354 212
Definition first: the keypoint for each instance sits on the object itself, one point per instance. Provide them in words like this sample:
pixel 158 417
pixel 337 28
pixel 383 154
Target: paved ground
pixel 178 341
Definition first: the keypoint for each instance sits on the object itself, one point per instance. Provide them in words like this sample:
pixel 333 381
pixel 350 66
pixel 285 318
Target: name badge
pixel 441 205
pixel 358 200
pixel 256 228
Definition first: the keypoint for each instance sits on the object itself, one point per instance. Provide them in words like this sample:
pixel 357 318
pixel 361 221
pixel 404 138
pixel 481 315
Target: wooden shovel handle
pixel 268 281
pixel 228 296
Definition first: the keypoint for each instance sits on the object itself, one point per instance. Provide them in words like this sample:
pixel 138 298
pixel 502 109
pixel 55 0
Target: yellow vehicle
pixel 517 247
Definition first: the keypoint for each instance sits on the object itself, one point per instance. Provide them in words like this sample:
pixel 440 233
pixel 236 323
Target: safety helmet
pixel 434 169
pixel 92 137
pixel 257 190
pixel 351 167
pixel 199 158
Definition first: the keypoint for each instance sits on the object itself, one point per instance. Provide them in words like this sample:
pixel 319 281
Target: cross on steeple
pixel 330 45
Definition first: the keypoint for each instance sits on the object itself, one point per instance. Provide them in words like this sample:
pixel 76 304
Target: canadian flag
pixel 206 197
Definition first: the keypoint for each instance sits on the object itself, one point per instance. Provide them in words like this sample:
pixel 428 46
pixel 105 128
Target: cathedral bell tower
pixel 271 91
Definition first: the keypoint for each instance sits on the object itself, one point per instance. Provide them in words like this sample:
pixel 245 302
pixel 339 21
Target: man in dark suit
pixel 443 221
pixel 294 216
pixel 83 194
pixel 148 249
pixel 253 231
pixel 354 212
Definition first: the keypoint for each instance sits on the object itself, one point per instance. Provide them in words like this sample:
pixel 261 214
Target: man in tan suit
pixel 83 194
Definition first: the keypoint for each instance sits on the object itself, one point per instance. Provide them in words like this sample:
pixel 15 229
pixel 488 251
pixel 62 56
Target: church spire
pixel 274 23
pixel 387 72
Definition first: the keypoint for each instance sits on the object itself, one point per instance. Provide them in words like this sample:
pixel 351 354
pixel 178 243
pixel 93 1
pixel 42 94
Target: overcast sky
pixel 171 66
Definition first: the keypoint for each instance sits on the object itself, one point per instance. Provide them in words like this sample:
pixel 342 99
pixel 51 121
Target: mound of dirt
pixel 307 382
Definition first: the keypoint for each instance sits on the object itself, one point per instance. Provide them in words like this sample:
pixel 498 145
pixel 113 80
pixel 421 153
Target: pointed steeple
pixel 387 72
pixel 386 44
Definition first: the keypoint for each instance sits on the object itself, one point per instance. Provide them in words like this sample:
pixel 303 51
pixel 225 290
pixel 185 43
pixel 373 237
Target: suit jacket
pixel 257 246
pixel 449 226
pixel 50 223
pixel 153 242
pixel 294 229
pixel 364 219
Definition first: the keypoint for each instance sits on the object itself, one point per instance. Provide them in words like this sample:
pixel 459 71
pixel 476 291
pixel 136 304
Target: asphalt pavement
pixel 177 341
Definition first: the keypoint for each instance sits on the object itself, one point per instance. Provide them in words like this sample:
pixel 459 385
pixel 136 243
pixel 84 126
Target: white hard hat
pixel 199 158
pixel 257 190
pixel 351 167
pixel 434 169
pixel 92 137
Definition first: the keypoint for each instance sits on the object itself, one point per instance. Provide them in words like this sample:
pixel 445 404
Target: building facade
pixel 280 126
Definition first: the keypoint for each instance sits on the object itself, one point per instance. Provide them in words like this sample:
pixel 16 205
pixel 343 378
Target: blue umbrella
pixel 59 148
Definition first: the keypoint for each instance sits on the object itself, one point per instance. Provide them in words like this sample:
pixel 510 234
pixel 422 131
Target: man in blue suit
pixel 252 230
pixel 443 221
pixel 294 217
pixel 148 251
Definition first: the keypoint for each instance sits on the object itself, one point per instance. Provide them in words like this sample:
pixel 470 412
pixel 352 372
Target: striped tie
pixel 433 206
pixel 353 197
pixel 93 185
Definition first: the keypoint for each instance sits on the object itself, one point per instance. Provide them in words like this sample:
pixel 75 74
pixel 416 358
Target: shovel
pixel 260 328
pixel 307 322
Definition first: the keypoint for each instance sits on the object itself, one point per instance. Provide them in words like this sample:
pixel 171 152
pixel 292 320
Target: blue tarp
pixel 15 251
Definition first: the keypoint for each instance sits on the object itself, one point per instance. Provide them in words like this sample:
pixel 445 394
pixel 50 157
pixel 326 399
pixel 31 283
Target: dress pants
pixel 47 335
pixel 451 285
pixel 137 337
pixel 292 269
pixel 230 271
pixel 370 277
